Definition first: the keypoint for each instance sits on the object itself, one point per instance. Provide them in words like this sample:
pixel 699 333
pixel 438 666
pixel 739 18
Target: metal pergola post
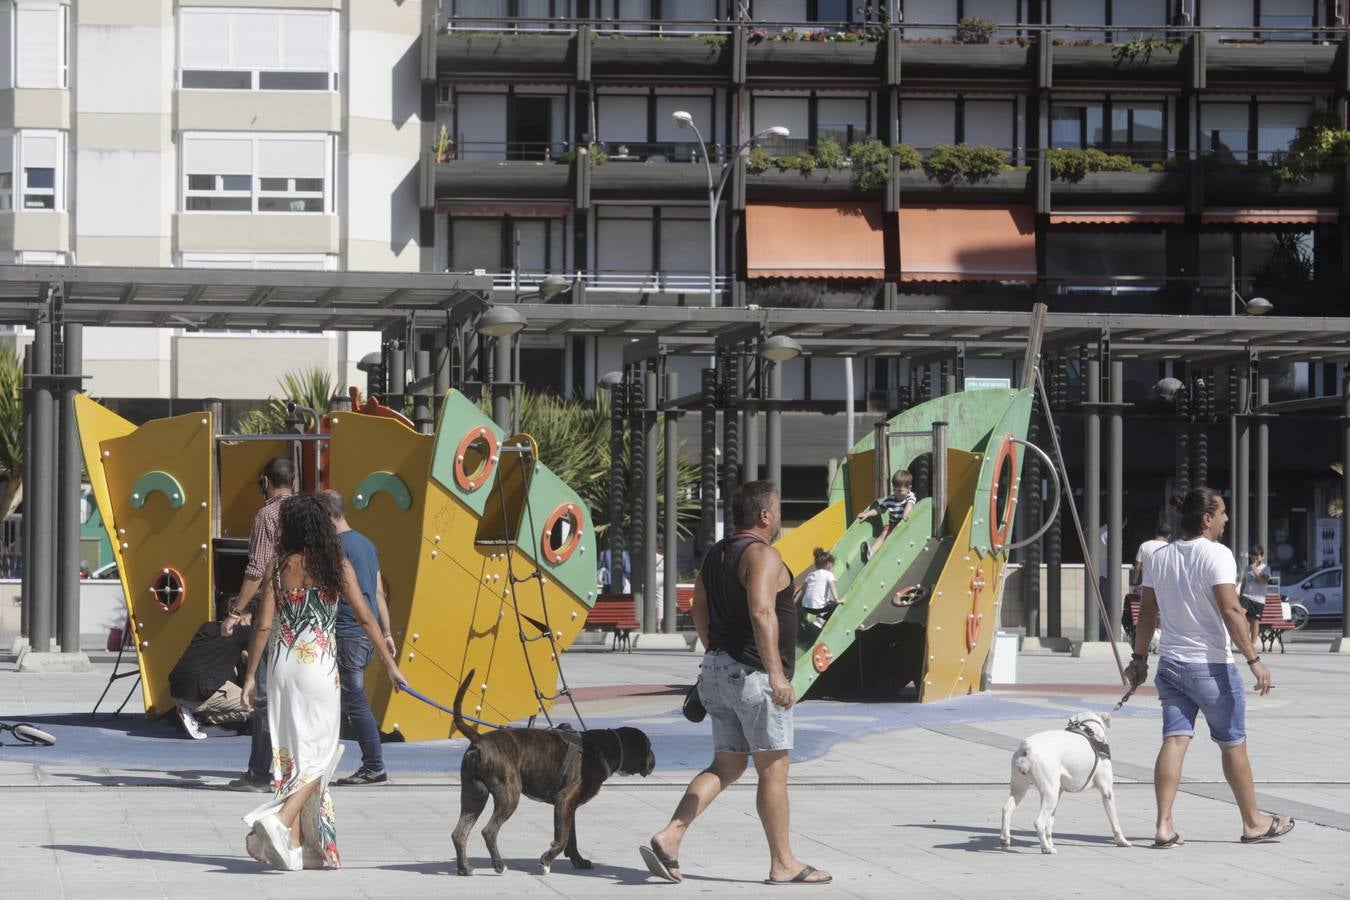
pixel 750 430
pixel 40 503
pixel 1262 504
pixel 649 499
pixel 773 425
pixel 26 575
pixel 1115 466
pixel 1092 488
pixel 1031 508
pixel 501 382
pixel 1054 537
pixel 1242 490
pixel 422 416
pixel 637 482
pixel 68 502
pixel 1345 496
pixel 671 502
pixel 617 408
pixel 707 481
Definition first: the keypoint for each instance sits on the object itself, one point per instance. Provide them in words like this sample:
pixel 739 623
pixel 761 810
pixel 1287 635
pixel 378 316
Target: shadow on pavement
pixel 231 864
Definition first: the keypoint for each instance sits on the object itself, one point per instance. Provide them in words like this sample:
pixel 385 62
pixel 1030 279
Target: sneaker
pixel 866 552
pixel 363 776
pixel 275 839
pixel 189 722
pixel 250 782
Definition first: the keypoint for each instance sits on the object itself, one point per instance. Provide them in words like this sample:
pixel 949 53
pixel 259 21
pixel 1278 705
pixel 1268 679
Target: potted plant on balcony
pixel 444 148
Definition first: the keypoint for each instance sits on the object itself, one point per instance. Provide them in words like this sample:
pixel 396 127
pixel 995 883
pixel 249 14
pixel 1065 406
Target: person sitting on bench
pixel 204 684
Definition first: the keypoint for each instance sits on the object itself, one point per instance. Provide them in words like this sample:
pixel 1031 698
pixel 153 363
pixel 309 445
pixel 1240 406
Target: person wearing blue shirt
pixel 354 648
pixel 604 573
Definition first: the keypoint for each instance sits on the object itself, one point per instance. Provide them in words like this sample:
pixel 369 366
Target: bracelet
pixel 1139 657
pixel 1254 660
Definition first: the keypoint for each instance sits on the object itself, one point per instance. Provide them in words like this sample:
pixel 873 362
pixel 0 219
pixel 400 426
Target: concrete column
pixel 707 525
pixel 26 583
pixel 501 383
pixel 671 489
pixel 1262 500
pixel 396 375
pixel 422 417
pixel 1115 500
pixel 1054 537
pixel 637 482
pixel 68 503
pixel 1031 509
pixel 773 426
pixel 40 502
pixel 1242 491
pixel 649 509
pixel 1092 489
pixel 1342 644
pixel 750 430
pixel 618 401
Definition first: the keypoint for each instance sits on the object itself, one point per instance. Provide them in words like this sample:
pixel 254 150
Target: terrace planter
pixel 613 56
pixel 477 53
pixel 1003 187
pixel 820 184
pixel 964 61
pixel 503 180
pixel 1234 187
pixel 1123 187
pixel 1107 62
pixel 668 180
pixel 1258 63
pixel 814 59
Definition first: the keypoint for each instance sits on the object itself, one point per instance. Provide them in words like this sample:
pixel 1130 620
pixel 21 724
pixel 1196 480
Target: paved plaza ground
pixel 893 798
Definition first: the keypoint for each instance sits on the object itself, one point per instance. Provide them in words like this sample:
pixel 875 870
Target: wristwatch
pixel 1138 657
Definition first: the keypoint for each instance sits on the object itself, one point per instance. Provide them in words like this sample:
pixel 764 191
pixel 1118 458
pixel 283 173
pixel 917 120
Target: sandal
pixel 659 864
pixel 1174 841
pixel 1271 833
pixel 803 877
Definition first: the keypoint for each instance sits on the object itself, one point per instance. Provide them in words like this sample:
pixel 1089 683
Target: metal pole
pixel 637 481
pixel 848 405
pixel 1115 500
pixel 731 439
pixel 26 573
pixel 1345 488
pixel 712 230
pixel 1092 490
pixel 440 373
pixel 501 383
pixel 68 553
pixel 1242 494
pixel 750 463
pixel 649 509
pixel 1054 537
pixel 396 378
pixel 881 464
pixel 1263 466
pixel 671 489
pixel 618 399
pixel 773 427
pixel 939 479
pixel 422 417
pixel 1236 405
pixel 40 501
pixel 707 464
pixel 1031 510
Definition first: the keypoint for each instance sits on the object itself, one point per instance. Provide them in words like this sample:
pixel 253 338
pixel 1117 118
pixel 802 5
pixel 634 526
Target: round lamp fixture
pixel 610 380
pixel 552 286
pixel 370 362
pixel 1258 306
pixel 500 321
pixel 780 348
pixel 776 131
pixel 1168 388
pixel 683 118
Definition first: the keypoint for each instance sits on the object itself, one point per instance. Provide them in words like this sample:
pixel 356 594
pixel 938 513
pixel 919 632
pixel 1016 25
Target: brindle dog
pixel 558 766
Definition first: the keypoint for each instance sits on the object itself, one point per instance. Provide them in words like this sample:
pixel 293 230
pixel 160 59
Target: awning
pixel 1242 215
pixel 1136 215
pixel 967 243
pixel 501 210
pixel 814 240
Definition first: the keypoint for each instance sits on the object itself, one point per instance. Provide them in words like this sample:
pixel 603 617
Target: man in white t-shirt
pixel 1161 536
pixel 1193 582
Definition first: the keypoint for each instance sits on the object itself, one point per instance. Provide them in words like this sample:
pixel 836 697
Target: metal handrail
pixel 1054 508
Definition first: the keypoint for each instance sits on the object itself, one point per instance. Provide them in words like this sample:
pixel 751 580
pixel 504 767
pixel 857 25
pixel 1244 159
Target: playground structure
pixel 922 609
pixel 488 556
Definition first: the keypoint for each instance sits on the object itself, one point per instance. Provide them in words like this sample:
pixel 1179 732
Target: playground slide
pixel 921 610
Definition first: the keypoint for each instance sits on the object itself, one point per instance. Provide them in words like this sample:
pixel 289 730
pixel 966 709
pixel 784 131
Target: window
pixel 260 50
pixel 278 262
pixel 1223 130
pixel 525 9
pixel 925 123
pixel 1076 126
pixel 6 45
pixel 1137 128
pixel 1324 580
pixel 6 171
pixel 1277 126
pixel 257 173
pixel 638 247
pixel 643 123
pixel 33 46
pixel 490 244
pixel 41 161
pixel 846 119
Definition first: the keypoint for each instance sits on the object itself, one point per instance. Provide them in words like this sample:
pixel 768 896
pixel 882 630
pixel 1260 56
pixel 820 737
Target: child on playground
pixel 897 505
pixel 820 590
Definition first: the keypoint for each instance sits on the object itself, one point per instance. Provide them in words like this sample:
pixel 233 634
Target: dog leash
pixel 409 689
pixel 1128 695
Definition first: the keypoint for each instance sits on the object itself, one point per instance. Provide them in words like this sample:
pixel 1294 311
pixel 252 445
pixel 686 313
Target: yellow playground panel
pixel 489 559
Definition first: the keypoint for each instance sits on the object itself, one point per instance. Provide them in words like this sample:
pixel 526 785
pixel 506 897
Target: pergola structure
pixel 58 301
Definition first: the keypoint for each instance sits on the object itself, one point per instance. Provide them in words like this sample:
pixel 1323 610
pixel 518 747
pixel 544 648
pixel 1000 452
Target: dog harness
pixel 572 742
pixel 1100 749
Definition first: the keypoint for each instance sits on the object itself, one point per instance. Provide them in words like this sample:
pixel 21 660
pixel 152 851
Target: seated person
pixel 205 683
pixel 897 505
pixel 820 590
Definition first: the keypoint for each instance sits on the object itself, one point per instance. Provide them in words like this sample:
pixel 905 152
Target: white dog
pixel 1055 761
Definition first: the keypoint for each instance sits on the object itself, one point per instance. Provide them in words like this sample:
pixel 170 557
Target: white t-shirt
pixel 1183 575
pixel 1252 588
pixel 1147 549
pixel 815 589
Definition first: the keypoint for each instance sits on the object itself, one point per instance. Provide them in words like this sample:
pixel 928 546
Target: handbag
pixel 693 708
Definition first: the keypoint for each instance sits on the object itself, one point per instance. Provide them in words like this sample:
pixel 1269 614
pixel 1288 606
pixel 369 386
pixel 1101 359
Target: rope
pixel 409 689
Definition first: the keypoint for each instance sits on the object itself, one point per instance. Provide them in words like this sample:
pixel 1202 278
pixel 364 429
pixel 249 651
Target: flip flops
pixel 660 865
pixel 1271 833
pixel 803 877
pixel 1174 841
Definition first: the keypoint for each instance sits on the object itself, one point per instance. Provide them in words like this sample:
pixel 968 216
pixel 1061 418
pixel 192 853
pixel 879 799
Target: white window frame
pixel 256 73
pixel 7 190
pixel 12 77
pixel 20 174
pixel 256 194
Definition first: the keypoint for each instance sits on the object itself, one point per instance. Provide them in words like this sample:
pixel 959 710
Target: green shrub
pixel 906 157
pixel 802 162
pixel 871 161
pixel 758 160
pixel 830 155
pixel 1321 145
pixel 1072 165
pixel 974 30
pixel 951 164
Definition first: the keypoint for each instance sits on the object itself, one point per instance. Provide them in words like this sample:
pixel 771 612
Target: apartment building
pixel 240 134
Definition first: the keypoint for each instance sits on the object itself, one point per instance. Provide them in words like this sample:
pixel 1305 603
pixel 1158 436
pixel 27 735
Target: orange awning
pixel 1137 215
pixel 1242 215
pixel 814 240
pixel 967 243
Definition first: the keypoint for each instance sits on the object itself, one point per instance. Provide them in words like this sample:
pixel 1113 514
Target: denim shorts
pixel 1216 689
pixel 740 704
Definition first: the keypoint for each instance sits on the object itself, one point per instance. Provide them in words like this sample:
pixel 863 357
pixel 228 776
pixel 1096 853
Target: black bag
pixel 693 708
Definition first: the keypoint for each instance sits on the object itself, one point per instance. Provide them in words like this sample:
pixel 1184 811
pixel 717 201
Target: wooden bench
pixel 684 600
pixel 1272 623
pixel 1129 618
pixel 614 614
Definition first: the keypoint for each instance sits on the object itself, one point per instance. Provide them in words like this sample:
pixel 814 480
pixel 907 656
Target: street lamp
pixel 686 120
pixel 780 348
pixel 1257 306
pixel 501 323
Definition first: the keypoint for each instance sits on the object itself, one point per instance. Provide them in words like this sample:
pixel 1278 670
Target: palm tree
pixel 11 430
pixel 312 387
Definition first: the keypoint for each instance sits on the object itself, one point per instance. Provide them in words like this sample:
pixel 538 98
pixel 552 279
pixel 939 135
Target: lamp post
pixel 686 120
pixel 613 382
pixel 777 349
pixel 501 323
pixel 1257 306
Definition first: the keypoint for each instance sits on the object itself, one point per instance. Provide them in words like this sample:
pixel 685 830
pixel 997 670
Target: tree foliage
pixel 312 387
pixel 11 430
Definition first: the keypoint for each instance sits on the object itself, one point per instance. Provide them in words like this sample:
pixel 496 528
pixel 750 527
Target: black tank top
pixel 729 627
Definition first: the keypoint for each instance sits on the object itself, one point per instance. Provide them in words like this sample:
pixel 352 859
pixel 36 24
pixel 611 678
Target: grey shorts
pixel 740 704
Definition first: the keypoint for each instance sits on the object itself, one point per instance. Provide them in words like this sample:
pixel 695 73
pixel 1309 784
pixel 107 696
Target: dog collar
pixel 1100 749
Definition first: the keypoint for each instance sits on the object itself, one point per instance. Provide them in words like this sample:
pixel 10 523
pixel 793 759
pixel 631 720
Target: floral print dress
pixel 303 711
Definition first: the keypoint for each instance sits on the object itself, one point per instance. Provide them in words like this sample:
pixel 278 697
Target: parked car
pixel 107 570
pixel 1318 599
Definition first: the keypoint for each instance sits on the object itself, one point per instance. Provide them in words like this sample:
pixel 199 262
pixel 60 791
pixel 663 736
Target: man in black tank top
pixel 745 615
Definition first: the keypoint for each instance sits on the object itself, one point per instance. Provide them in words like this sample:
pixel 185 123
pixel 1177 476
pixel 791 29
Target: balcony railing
pixel 620 282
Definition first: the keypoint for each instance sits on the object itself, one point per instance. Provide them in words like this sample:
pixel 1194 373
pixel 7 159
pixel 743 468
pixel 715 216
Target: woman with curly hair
pixel 295 618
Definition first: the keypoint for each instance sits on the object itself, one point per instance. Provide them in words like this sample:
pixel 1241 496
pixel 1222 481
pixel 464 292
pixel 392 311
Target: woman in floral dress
pixel 295 618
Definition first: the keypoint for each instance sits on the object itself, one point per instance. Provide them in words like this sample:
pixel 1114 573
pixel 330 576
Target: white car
pixel 1319 599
